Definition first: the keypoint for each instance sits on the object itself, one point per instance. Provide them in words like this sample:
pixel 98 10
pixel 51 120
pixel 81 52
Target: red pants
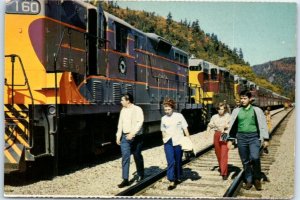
pixel 221 151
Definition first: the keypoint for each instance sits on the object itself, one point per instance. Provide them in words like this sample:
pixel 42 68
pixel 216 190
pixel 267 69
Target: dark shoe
pixel 124 183
pixel 247 186
pixel 257 184
pixel 139 178
pixel 266 151
pixel 225 177
pixel 178 181
pixel 172 185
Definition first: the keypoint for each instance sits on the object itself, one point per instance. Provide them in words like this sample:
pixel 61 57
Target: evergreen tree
pixel 195 26
pixel 169 19
pixel 168 22
pixel 241 55
pixel 235 51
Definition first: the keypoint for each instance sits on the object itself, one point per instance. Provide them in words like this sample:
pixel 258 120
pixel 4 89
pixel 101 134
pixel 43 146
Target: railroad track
pixel 201 176
pixel 266 161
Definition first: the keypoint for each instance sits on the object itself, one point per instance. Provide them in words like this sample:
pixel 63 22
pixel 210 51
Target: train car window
pixel 163 46
pixel 200 67
pixel 226 75
pixel 222 74
pixel 185 60
pixel 176 56
pixel 213 74
pixel 136 42
pixel 121 38
pixel 181 58
pixel 231 77
pixel 206 74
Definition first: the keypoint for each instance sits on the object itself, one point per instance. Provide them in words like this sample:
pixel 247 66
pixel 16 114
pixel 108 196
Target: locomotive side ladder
pixel 18 138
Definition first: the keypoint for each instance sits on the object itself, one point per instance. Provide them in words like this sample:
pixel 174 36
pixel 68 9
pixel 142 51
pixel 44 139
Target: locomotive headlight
pixel 51 110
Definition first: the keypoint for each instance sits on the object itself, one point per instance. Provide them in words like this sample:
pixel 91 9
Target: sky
pixel 264 31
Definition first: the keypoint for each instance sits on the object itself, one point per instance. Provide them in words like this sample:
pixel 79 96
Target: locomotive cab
pixel 196 80
pixel 51 46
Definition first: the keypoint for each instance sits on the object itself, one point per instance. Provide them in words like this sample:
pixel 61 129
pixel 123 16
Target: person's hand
pixel 208 131
pixel 118 141
pixel 229 145
pixel 129 136
pixel 266 144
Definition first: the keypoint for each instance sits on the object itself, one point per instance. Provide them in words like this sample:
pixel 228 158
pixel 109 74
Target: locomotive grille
pixel 116 92
pixel 129 89
pixel 97 91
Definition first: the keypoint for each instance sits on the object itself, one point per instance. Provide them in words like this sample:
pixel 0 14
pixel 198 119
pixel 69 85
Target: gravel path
pixel 102 180
pixel 282 171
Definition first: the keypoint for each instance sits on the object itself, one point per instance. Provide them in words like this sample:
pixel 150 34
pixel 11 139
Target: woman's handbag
pixel 224 137
pixel 186 144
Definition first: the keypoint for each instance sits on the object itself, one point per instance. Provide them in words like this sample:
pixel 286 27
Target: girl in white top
pixel 219 123
pixel 173 127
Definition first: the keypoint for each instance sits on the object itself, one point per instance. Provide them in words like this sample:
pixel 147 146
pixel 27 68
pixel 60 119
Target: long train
pixel 216 84
pixel 67 64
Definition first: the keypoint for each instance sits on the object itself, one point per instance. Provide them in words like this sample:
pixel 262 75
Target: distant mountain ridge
pixel 280 72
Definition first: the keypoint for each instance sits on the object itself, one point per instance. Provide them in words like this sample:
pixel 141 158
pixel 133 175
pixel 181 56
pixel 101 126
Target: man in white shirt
pixel 129 136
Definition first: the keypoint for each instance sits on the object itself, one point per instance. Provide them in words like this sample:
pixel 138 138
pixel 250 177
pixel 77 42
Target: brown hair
pixel 221 104
pixel 169 102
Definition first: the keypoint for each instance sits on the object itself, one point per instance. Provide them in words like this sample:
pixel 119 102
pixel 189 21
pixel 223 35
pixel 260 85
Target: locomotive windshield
pixel 196 68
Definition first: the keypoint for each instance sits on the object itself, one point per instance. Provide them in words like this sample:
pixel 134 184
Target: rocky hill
pixel 279 72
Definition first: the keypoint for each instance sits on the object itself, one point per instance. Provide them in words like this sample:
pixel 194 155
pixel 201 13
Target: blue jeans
pixel 134 147
pixel 174 160
pixel 248 146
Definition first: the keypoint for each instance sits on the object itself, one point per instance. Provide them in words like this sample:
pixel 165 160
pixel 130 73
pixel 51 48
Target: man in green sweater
pixel 249 126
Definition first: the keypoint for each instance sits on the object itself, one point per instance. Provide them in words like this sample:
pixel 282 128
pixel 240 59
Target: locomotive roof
pixel 223 69
pixel 195 61
pixel 84 4
pixel 116 19
pixel 208 65
pixel 152 36
pixel 179 50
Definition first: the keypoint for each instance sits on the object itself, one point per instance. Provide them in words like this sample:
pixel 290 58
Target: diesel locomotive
pixel 67 64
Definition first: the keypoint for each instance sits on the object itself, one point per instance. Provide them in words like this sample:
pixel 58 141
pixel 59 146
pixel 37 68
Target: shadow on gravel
pixel 236 170
pixel 188 173
pixel 148 171
pixel 45 168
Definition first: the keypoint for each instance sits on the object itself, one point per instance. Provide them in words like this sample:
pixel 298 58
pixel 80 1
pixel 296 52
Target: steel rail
pixel 237 182
pixel 147 182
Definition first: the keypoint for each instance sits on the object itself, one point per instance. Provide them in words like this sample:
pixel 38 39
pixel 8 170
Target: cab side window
pixel 121 38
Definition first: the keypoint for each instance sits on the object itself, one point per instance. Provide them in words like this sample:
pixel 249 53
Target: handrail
pixel 13 58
